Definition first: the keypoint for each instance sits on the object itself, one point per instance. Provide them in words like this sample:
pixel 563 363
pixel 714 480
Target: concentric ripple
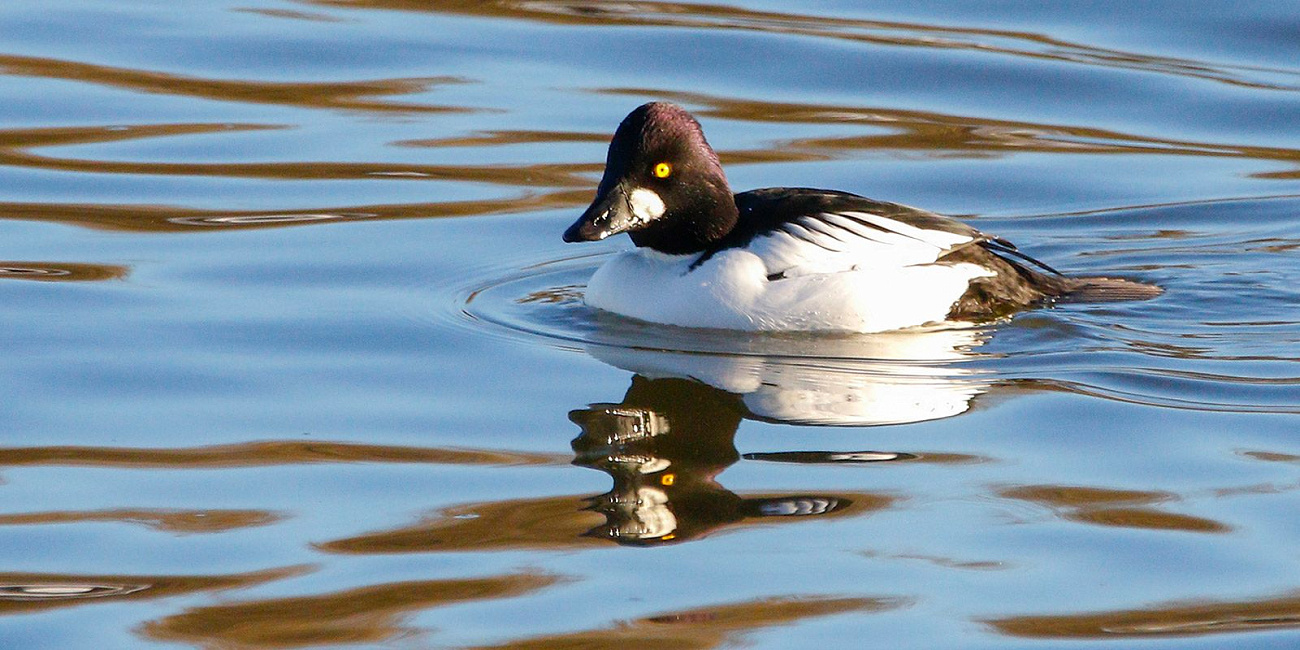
pixel 1130 353
pixel 842 379
pixel 544 301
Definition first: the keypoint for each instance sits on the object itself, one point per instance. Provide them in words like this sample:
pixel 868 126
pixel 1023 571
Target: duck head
pixel 663 185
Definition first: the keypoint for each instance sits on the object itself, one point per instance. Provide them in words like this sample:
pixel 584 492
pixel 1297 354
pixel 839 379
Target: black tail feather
pixel 1004 247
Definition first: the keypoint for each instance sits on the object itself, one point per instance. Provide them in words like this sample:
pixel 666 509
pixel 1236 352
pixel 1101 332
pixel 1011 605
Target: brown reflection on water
pixel 944 135
pixel 663 446
pixel 1179 619
pixel 362 615
pixel 291 15
pixel 705 627
pixel 544 186
pixel 1107 507
pixel 944 562
pixel 15 146
pixel 170 520
pixel 158 218
pixel 560 180
pixel 21 593
pixel 1271 456
pixel 262 453
pixel 545 523
pixel 349 95
pixel 593 13
pixel 61 271
pixel 562 522
pixel 506 138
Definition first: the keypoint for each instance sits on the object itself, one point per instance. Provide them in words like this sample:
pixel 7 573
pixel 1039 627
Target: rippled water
pixel 294 356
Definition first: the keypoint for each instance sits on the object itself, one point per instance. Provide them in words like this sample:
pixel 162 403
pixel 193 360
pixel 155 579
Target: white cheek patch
pixel 646 205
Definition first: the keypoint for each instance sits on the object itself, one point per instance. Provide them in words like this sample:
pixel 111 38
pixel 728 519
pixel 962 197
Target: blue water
pixel 294 356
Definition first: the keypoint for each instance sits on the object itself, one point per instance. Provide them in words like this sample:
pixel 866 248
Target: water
pixel 294 356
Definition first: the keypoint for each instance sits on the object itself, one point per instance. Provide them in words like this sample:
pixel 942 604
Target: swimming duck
pixel 792 259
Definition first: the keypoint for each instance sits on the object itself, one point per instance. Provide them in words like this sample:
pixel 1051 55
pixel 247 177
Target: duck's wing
pixel 799 231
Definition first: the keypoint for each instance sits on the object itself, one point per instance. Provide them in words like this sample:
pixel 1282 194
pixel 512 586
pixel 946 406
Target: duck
pixel 792 259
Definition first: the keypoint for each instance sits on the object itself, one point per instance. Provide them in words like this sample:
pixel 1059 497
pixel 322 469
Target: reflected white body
pixel 888 378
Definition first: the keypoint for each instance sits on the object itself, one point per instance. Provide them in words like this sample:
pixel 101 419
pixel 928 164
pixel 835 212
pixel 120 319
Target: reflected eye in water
pixel 65 591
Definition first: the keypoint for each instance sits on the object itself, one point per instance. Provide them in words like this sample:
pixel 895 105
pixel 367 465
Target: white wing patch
pixel 848 241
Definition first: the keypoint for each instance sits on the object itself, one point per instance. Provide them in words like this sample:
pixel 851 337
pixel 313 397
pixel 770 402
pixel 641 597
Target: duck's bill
pixel 610 214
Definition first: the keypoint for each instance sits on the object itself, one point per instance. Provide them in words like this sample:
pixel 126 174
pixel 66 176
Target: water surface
pixel 295 357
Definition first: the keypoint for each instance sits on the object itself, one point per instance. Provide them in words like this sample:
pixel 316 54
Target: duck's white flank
pixel 822 273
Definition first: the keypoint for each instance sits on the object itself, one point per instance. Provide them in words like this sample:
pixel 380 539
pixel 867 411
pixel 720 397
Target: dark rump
pixel 1016 286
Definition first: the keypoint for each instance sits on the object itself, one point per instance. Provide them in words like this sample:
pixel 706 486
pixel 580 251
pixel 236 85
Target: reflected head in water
pixel 664 445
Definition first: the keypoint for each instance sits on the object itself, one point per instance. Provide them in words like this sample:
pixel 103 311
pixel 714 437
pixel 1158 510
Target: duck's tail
pixel 1100 289
pixel 1057 284
pixel 1018 281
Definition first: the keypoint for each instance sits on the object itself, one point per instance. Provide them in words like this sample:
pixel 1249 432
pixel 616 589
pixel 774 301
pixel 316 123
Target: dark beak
pixel 608 215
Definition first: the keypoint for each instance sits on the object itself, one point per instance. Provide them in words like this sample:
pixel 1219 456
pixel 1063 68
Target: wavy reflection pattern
pixel 1030 45
pixel 363 615
pixel 1173 620
pixel 666 444
pixel 566 185
pixel 663 446
pixel 705 627
pixel 22 593
pixel 61 271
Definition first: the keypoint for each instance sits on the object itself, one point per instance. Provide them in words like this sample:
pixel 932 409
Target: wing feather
pixel 941 239
pixel 834 242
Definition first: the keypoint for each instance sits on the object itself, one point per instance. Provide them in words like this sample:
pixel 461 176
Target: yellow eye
pixel 663 170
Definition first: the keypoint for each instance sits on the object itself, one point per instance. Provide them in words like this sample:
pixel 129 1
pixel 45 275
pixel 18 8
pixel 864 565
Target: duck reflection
pixel 664 445
pixel 673 433
pixel 861 380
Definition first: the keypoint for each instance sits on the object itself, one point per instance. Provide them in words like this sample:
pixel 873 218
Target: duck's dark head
pixel 663 185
